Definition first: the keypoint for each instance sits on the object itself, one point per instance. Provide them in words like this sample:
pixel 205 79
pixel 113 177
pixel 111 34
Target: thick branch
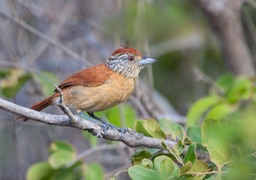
pixel 131 137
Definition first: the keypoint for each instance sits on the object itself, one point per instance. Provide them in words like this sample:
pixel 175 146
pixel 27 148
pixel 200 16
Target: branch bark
pixel 130 138
pixel 225 17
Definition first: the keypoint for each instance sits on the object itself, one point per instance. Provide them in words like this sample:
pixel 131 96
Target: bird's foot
pixel 83 116
pixel 120 130
pixel 103 126
pixel 110 126
pixel 98 133
pixel 102 123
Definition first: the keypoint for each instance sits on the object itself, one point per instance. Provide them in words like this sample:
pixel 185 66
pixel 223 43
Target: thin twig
pixel 18 65
pixel 40 46
pixel 63 107
pixel 91 151
pixel 42 36
pixel 203 77
pixel 117 172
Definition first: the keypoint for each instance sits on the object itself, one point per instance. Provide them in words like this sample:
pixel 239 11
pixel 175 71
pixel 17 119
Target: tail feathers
pixel 42 104
pixel 39 106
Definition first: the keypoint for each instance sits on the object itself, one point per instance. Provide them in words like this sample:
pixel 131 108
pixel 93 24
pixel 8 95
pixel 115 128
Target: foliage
pixel 63 164
pixel 14 79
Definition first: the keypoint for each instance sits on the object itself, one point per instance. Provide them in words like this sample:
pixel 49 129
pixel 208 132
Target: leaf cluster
pixel 63 163
pixel 217 143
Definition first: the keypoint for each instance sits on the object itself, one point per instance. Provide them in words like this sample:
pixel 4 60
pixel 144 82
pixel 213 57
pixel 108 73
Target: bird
pixel 99 87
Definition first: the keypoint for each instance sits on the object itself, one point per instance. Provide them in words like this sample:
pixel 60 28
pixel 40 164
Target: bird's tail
pixel 39 106
pixel 42 104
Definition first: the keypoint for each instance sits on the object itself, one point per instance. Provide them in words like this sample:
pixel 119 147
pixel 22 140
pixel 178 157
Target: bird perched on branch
pixel 100 87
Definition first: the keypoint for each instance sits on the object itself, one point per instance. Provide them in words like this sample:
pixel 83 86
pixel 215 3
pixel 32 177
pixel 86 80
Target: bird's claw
pixel 122 130
pixel 98 134
pixel 103 129
pixel 106 125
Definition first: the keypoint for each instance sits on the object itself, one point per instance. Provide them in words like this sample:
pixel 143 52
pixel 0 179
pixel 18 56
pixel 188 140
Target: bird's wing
pixel 90 77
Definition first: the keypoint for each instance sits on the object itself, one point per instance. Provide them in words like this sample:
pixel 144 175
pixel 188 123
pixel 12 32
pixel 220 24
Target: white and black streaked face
pixel 128 62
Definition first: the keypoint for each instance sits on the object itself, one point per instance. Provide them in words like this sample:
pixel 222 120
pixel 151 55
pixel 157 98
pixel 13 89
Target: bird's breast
pixel 113 91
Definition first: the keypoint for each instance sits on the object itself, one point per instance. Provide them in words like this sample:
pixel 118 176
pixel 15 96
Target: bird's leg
pixel 121 130
pixel 89 118
pixel 101 120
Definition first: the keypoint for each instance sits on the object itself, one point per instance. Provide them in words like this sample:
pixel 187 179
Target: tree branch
pixel 130 138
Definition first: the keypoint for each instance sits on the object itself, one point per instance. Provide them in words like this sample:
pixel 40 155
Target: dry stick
pixel 63 107
pixel 203 77
pixel 40 46
pixel 89 152
pixel 43 36
pixel 130 138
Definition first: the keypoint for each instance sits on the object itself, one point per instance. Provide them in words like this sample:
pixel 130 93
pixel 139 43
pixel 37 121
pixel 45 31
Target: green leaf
pixel 4 73
pixel 226 82
pixel 191 154
pixel 65 174
pixel 185 168
pixel 94 171
pixel 147 163
pixel 139 155
pixel 241 90
pixel 165 166
pixel 215 142
pixel 173 129
pixel 46 81
pixel 149 128
pixel 199 108
pixel 220 152
pixel 13 82
pixel 220 111
pixel 211 129
pixel 61 158
pixel 40 171
pixel 200 166
pixel 61 146
pixel 141 173
pixel 179 147
pixel 194 134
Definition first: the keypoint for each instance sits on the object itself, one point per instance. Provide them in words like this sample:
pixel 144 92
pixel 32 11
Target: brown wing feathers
pixel 91 77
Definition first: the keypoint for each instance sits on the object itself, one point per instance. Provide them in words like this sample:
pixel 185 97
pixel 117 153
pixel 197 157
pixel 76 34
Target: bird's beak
pixel 146 60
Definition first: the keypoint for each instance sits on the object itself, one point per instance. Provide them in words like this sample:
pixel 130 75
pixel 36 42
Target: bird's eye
pixel 131 58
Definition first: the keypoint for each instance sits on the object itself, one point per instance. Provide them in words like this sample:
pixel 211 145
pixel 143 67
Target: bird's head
pixel 128 62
